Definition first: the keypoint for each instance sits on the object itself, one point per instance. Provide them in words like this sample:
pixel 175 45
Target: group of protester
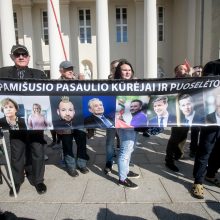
pixel 203 146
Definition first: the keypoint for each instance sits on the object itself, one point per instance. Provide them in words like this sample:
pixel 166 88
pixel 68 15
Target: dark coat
pixel 94 122
pixel 209 134
pixel 197 119
pixel 154 121
pixel 21 134
pixel 30 73
pixel 5 125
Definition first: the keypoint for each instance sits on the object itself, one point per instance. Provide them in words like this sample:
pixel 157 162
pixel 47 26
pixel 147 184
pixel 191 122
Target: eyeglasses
pixel 25 55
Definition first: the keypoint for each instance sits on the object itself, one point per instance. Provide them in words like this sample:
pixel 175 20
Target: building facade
pixel 91 33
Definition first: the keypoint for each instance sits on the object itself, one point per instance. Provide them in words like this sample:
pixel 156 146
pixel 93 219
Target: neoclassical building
pixel 154 35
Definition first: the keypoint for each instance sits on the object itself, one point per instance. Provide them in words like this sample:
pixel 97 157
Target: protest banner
pixel 114 97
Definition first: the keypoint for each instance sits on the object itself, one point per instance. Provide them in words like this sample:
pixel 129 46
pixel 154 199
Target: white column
pixel 28 31
pixel 7 30
pixel 103 49
pixel 139 69
pixel 55 45
pixel 150 39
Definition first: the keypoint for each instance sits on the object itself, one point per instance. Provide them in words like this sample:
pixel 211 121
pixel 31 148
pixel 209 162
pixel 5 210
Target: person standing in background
pixel 66 112
pixel 124 71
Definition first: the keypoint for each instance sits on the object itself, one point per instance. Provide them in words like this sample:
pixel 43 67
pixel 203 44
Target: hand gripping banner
pixel 68 104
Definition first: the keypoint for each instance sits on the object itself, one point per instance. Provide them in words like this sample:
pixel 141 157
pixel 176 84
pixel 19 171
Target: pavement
pixel 162 194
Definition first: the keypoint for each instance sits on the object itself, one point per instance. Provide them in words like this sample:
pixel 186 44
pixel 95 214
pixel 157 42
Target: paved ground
pixel 162 194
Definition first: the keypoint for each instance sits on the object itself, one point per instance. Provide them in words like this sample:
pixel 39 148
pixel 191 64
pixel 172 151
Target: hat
pixel 19 47
pixel 66 64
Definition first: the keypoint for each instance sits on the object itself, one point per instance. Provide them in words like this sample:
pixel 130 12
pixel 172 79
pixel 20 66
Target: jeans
pixel 67 142
pixel 110 141
pixel 127 142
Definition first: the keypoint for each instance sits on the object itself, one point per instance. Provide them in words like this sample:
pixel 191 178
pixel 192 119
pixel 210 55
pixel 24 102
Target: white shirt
pixel 190 118
pixel 217 118
pixel 165 120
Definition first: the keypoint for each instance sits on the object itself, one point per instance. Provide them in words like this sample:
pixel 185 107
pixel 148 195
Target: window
pixel 45 27
pixel 160 23
pixel 85 32
pixel 121 25
pixel 16 26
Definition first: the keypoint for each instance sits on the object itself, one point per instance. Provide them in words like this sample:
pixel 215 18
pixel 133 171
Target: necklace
pixel 13 124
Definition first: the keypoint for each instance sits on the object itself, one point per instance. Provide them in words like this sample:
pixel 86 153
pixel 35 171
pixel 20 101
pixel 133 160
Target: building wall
pixel 165 48
pixel 183 35
pixel 123 50
pixel 215 49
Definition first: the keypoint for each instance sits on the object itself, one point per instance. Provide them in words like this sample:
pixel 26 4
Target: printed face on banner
pixel 217 105
pixel 191 109
pixel 37 112
pixel 67 112
pixel 12 113
pixel 131 111
pixel 162 110
pixel 99 111
pixel 186 106
pixel 212 105
pixel 96 107
pixel 9 110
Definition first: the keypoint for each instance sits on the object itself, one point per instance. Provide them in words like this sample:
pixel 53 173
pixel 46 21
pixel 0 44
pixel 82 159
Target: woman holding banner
pixel 127 136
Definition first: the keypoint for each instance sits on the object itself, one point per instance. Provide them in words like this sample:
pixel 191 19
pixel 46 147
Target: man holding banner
pixel 208 151
pixel 190 116
pixel 66 112
pixel 20 140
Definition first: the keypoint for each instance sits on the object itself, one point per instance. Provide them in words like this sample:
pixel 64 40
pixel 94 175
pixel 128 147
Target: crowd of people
pixel 30 142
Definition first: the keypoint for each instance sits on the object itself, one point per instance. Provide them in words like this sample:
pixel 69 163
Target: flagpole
pixel 59 30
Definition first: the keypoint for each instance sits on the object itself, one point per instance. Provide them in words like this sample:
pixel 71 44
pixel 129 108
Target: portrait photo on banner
pixel 131 111
pixel 190 109
pixel 66 112
pixel 37 112
pixel 99 111
pixel 12 114
pixel 212 106
pixel 162 111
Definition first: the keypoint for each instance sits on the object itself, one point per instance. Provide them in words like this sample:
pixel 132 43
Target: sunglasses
pixel 25 55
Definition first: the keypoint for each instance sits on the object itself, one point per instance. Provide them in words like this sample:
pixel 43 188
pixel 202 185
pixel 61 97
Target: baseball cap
pixel 19 47
pixel 66 64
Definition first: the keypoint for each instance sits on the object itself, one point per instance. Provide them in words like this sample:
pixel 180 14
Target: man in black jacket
pixel 208 151
pixel 179 134
pixel 22 139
